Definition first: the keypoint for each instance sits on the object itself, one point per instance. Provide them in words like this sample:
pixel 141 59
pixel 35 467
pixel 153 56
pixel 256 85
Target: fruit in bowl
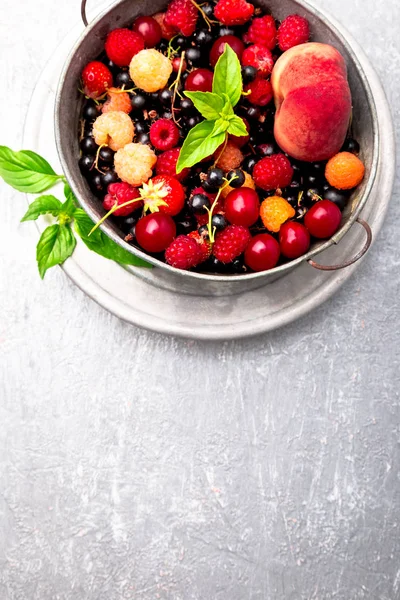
pixel 217 138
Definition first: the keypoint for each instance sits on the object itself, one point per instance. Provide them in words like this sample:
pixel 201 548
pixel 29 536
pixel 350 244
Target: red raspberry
pixel 121 193
pixel 294 30
pixel 261 92
pixel 122 45
pixel 262 31
pixel 163 193
pixel 184 253
pixel 164 134
pixel 231 242
pixel 166 32
pixel 204 244
pixel 182 16
pixel 166 164
pixel 233 12
pixel 96 79
pixel 273 172
pixel 260 58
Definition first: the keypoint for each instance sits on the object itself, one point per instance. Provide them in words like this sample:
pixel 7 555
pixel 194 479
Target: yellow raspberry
pixel 345 171
pixel 114 129
pixel 231 158
pixel 117 101
pixel 150 70
pixel 248 183
pixel 275 211
pixel 134 163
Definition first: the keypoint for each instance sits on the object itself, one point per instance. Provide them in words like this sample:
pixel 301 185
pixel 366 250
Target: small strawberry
pixel 182 16
pixel 122 45
pixel 262 31
pixel 164 134
pixel 273 172
pixel 293 30
pixel 121 193
pixel 184 253
pixel 163 193
pixel 204 244
pixel 230 243
pixel 166 164
pixel 233 12
pixel 97 78
pixel 259 57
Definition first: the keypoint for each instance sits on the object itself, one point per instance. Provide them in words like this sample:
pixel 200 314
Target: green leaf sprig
pixel 28 172
pixel 217 109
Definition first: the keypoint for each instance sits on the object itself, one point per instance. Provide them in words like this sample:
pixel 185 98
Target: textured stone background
pixel 136 466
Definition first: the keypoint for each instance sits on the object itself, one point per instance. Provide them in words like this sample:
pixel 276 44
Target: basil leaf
pixel 199 143
pixel 101 244
pixel 44 205
pixel 26 171
pixel 221 126
pixel 209 105
pixel 56 244
pixel 228 76
pixel 227 110
pixel 70 204
pixel 237 127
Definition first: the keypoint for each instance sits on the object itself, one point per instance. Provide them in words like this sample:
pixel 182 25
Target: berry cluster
pixel 245 208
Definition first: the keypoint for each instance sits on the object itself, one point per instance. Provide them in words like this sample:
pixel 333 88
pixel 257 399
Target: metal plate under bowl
pixel 146 303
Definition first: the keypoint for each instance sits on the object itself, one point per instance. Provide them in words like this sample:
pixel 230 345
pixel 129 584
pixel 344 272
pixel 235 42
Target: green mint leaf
pixel 70 204
pixel 44 205
pixel 227 111
pixel 26 171
pixel 221 126
pixel 228 76
pixel 237 127
pixel 199 143
pixel 56 244
pixel 101 244
pixel 208 104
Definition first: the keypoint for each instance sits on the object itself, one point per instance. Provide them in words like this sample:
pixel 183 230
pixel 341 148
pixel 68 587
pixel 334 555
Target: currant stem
pixel 211 230
pixel 175 84
pixel 112 211
pixel 208 21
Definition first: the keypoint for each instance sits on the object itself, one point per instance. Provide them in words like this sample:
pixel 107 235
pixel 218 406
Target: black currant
pixel 108 178
pixel 88 145
pixel 140 127
pixel 193 55
pixel 238 176
pixel 338 197
pixel 106 155
pixel 123 78
pixel 86 163
pixel 198 203
pixel 351 145
pixel 215 178
pixel 249 74
pixel 219 222
pixel 249 163
pixel 138 102
pixel 90 112
pixel 186 106
pixel 203 37
pixel 143 138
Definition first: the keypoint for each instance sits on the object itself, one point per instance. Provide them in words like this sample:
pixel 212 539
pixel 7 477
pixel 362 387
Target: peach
pixel 313 101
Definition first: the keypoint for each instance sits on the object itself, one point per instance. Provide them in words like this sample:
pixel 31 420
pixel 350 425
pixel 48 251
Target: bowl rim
pixel 281 270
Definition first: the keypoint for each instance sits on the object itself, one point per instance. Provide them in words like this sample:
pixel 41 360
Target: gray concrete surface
pixel 136 466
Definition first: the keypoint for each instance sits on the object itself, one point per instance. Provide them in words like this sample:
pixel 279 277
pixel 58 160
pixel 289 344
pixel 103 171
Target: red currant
pixel 199 80
pixel 242 207
pixel 323 219
pixel 218 47
pixel 155 232
pixel 262 252
pixel 149 29
pixel 294 239
pixel 176 64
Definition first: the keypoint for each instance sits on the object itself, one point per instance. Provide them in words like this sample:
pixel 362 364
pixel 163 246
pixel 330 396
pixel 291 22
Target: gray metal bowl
pixel 68 107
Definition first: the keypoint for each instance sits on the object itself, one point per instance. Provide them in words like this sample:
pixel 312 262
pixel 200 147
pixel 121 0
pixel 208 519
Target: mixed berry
pixel 250 205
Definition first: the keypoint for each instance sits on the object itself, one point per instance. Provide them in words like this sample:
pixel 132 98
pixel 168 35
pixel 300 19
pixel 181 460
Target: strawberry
pixel 182 16
pixel 163 193
pixel 230 243
pixel 184 253
pixel 233 12
pixel 122 45
pixel 96 79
